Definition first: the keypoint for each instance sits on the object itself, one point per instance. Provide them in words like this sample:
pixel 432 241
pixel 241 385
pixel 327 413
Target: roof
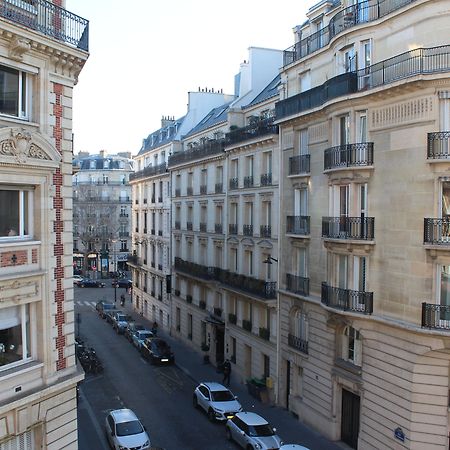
pixel 271 90
pixel 162 136
pixel 214 117
pixel 251 418
pixel 99 162
pixel 123 415
pixel 213 386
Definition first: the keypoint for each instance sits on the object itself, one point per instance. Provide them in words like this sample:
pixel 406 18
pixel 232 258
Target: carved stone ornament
pixel 18 47
pixel 21 147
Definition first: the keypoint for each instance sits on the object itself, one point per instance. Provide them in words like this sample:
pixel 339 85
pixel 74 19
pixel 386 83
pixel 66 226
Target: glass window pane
pixel 9 91
pixel 11 345
pixel 9 213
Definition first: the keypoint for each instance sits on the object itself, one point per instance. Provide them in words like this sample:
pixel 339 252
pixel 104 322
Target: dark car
pixel 91 284
pixel 122 283
pixel 131 328
pixel 103 307
pixel 157 351
pixel 109 315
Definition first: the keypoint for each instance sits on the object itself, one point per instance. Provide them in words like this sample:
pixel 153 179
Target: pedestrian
pixel 154 328
pixel 226 367
pixel 122 300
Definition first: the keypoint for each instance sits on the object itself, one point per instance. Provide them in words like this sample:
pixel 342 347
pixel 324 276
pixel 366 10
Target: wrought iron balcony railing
pixel 160 199
pixel 436 316
pixel 202 304
pixel 203 189
pixel 177 292
pixel 362 12
pixel 297 284
pixel 177 225
pixel 232 228
pixel 259 128
pixel 359 228
pixel 49 19
pixel 234 183
pixel 247 325
pixel 347 300
pixel 189 298
pixel 247 230
pixel 197 270
pixel 349 155
pixel 177 192
pixel 148 172
pixel 189 226
pixel 202 227
pixel 266 179
pixel 265 231
pixel 264 333
pixel 299 165
pixel 298 225
pixel 232 318
pixel 298 343
pixel 218 228
pixel 208 148
pixel 189 190
pixel 218 188
pixel 436 231
pixel 153 199
pixel 248 181
pixel 438 145
pixel 217 311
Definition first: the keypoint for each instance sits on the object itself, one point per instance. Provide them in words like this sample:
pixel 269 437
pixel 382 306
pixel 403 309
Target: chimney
pixel 167 120
pixel 102 153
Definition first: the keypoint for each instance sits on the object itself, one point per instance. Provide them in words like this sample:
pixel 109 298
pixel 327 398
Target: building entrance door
pixel 350 418
pixel 288 382
pixel 220 341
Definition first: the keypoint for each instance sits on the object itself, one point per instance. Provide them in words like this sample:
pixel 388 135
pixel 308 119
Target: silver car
pixel 124 431
pixel 217 401
pixel 251 431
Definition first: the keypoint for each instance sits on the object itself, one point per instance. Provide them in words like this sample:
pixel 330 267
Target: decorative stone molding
pixel 19 291
pixel 265 244
pixel 17 47
pixel 247 242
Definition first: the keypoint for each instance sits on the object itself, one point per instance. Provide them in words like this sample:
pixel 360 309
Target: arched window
pixel 351 346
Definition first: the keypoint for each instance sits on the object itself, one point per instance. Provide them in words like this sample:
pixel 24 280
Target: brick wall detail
pixel 7 258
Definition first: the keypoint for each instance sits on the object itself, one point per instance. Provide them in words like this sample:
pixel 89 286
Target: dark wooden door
pixel 350 418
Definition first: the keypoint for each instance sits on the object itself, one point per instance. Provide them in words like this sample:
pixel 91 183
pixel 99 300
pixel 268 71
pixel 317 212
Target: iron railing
pixel 148 172
pixel 247 325
pixel 299 164
pixel 259 128
pixel 436 231
pixel 264 333
pixel 247 230
pixel 217 311
pixel 49 19
pixel 177 225
pixel 232 318
pixel 298 343
pixel 359 228
pixel 248 181
pixel 297 284
pixel 189 226
pixel 363 12
pixel 197 270
pixel 232 228
pixel 189 190
pixel 414 62
pixel 266 179
pixel 202 304
pixel 177 192
pixel 349 155
pixel 298 225
pixel 436 316
pixel 208 148
pixel 234 183
pixel 265 231
pixel 218 188
pixel 203 189
pixel 202 227
pixel 218 228
pixel 438 145
pixel 346 299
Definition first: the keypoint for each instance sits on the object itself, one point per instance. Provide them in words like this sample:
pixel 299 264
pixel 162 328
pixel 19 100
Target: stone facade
pixel 38 371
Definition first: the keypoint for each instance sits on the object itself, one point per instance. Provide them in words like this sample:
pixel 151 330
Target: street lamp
pixel 269 260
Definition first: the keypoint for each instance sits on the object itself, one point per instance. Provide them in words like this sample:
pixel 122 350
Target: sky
pixel 146 55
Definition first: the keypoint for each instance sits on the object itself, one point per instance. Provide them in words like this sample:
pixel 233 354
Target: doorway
pixel 288 382
pixel 220 340
pixel 350 418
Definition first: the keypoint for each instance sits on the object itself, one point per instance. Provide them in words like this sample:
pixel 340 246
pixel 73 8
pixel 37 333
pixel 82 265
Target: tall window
pixel 303 142
pixel 351 350
pixel 15 212
pixel 14 95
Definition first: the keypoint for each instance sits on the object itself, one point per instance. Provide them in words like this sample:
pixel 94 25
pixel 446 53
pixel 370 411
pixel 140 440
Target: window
pixel 15 345
pixel 303 142
pixel 189 324
pixel 266 366
pixel 351 346
pixel 14 95
pixel 249 262
pixel 15 213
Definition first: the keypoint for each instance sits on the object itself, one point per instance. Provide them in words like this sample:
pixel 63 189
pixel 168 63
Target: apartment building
pixel 364 249
pixel 43 48
pixel 101 213
pixel 224 202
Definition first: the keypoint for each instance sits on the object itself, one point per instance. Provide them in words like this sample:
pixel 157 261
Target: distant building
pixel 43 48
pixel 101 212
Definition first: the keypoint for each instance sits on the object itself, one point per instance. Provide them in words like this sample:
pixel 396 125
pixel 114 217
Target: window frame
pixel 26 216
pixel 24 93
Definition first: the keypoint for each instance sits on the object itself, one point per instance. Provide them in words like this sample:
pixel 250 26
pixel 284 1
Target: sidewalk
pixel 191 363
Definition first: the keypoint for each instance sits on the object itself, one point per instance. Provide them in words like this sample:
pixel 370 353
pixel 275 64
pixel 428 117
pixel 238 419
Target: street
pixel 160 396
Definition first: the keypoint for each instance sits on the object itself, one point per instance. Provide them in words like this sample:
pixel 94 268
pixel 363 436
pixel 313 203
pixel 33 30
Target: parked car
pixel 125 431
pixel 138 337
pixel 86 283
pixel 157 350
pixel 131 328
pixel 77 280
pixel 251 431
pixel 102 308
pixel 122 283
pixel 109 315
pixel 120 322
pixel 217 401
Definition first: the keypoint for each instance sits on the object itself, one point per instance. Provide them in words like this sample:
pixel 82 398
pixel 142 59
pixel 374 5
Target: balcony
pixel 148 172
pixel 177 225
pixel 153 264
pixel 297 285
pixel 197 270
pixel 153 199
pixel 232 228
pixel 123 215
pixel 145 230
pixel 160 232
pixel 152 231
pixel 160 267
pixel 298 225
pixel 160 199
pixel 298 343
pixel 247 325
pixel 202 304
pixel 265 231
pixel 234 183
pixel 232 318
pixel 217 311
pixel 353 228
pixel 145 201
pixel 349 155
pixel 299 165
pixel 177 292
pixel 202 227
pixel 347 300
pixel 177 192
pixel 218 228
pixel 266 179
pixel 260 127
pixel 435 316
pixel 436 231
pixel 152 292
pixel 363 12
pixel 247 230
pixel 438 145
pixel 218 188
pixel 264 333
pixel 207 148
pixel 189 226
pixel 203 189
pixel 159 297
pixel 136 202
pixel 189 298
pixel 248 181
pixel 134 260
pixel 189 190
pixel 264 289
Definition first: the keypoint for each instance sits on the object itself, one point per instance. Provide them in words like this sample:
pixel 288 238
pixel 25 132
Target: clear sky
pixel 146 55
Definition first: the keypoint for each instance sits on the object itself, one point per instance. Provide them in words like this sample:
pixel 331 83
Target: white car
pixel 293 447
pixel 124 431
pixel 252 432
pixel 218 401
pixel 77 280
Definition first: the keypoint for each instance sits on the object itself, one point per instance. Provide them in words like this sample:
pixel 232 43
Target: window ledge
pixel 20 369
pixel 18 120
pixel 16 242
pixel 347 365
